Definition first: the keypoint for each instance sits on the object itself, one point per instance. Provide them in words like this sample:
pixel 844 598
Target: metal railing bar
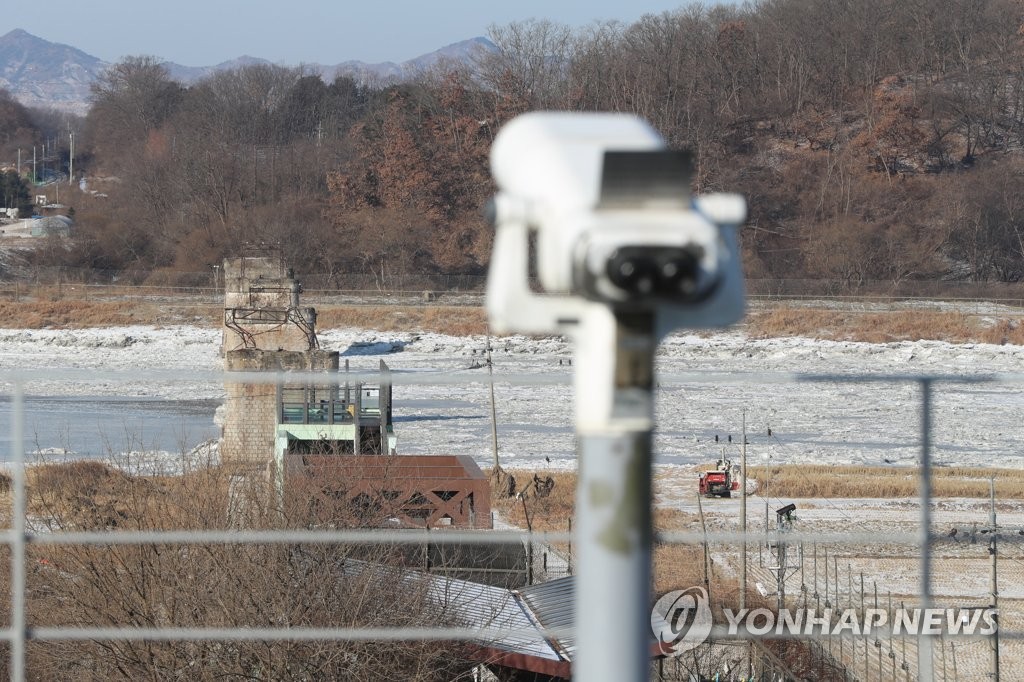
pixel 924 653
pixel 295 634
pixel 18 520
pixel 466 376
pixel 719 633
pixel 467 537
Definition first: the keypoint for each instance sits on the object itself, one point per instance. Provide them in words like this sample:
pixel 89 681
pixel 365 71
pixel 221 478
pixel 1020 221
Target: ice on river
pixel 705 383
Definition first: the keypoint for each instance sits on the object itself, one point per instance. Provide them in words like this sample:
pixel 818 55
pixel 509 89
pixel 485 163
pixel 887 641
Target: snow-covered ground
pixel 705 385
pixel 847 414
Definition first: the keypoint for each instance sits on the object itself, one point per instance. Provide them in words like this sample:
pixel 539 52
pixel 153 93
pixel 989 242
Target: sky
pixel 290 32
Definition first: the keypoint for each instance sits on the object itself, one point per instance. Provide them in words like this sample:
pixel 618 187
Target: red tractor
pixel 720 482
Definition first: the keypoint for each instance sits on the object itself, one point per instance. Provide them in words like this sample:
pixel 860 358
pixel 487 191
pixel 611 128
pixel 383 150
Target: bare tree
pixel 527 70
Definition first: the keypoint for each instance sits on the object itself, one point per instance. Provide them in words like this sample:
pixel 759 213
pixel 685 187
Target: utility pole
pixel 494 415
pixel 995 578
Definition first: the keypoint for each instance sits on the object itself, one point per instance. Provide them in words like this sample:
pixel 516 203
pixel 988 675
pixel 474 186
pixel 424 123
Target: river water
pixel 105 426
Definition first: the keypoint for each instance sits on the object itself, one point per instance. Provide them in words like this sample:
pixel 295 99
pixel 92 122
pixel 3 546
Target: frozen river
pixel 98 426
pixel 150 386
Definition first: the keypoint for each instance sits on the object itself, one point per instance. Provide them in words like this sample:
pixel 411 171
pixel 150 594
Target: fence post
pixel 835 565
pixel 925 662
pixel 569 562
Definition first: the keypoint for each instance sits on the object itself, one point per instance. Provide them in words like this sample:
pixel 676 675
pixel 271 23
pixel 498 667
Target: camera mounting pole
pixel 613 496
pixel 622 257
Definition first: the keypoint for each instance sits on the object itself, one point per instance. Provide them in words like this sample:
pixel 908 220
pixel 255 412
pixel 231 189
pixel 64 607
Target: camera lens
pixel 679 271
pixel 662 272
pixel 633 270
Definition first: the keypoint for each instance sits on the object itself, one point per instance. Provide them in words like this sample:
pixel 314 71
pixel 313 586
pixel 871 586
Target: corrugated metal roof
pixel 551 603
pixel 492 610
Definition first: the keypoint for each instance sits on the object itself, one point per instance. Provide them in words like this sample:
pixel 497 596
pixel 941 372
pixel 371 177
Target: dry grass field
pixel 884 327
pixel 884 482
pixel 46 308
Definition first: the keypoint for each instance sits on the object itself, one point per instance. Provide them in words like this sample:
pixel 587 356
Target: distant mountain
pixel 456 52
pixel 190 74
pixel 44 74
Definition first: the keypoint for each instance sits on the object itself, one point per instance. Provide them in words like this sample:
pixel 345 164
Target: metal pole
pixel 803 585
pixel 892 654
pixel 743 516
pixel 704 527
pixel 18 576
pixel 849 603
pixel 878 642
pixel 817 602
pixel 903 642
pixel 780 555
pixel 867 662
pixel 71 159
pixel 835 565
pixel 494 414
pixel 925 663
pixel 569 562
pixel 766 528
pixel 992 550
pixel 529 545
pixel 828 604
pixel 615 418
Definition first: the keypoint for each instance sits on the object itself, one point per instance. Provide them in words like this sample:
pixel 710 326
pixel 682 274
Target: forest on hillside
pixel 876 141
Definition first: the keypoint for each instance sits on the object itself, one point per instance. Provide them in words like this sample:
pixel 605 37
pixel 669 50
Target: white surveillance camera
pixel 609 212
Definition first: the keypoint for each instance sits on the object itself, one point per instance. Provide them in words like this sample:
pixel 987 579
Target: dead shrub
pixel 217 585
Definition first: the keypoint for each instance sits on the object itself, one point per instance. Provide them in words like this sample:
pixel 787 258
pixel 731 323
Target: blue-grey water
pixel 100 426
